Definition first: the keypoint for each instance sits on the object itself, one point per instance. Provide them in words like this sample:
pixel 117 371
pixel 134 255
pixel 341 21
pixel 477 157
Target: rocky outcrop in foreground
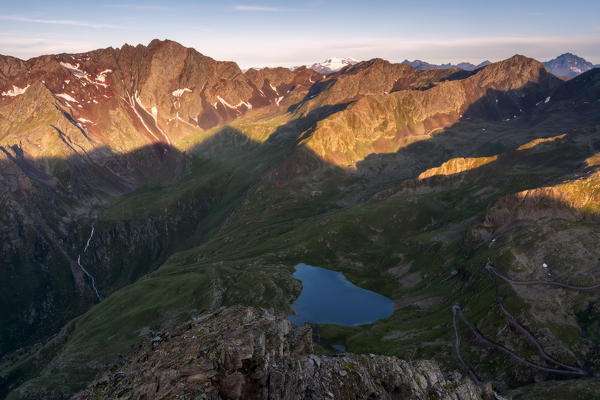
pixel 246 353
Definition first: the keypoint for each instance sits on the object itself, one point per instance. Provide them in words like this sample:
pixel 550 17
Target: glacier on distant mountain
pixel 332 65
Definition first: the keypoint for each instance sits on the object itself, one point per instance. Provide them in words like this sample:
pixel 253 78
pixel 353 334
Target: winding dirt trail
pixel 474 376
pixel 522 329
pixel 456 310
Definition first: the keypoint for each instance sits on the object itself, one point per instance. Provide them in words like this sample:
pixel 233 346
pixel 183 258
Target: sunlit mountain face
pixel 156 201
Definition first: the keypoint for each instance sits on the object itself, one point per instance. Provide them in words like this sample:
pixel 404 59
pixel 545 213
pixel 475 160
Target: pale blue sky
pixel 260 33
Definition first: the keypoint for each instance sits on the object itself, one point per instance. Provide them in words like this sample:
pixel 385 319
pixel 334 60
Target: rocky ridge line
pixel 248 353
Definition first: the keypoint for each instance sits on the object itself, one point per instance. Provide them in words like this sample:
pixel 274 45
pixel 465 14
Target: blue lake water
pixel 327 297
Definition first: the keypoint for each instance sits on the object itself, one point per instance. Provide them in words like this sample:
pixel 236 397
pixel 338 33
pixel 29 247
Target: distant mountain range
pixel 333 64
pixel 423 65
pixel 565 65
pixel 569 65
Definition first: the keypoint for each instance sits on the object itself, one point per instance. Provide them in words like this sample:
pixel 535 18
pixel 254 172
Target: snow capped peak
pixel 333 64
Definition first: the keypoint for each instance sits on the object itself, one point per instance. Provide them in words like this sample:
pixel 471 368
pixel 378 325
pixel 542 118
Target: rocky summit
pixel 155 202
pixel 243 353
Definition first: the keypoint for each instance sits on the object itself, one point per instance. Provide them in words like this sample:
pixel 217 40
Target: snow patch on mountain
pixel 66 97
pixel 101 77
pixel 132 104
pixel 154 114
pixel 241 103
pixel 180 92
pixel 15 91
pixel 78 73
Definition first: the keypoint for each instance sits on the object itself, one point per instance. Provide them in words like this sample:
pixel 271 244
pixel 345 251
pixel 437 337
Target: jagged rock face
pixel 160 92
pixel 276 83
pixel 246 353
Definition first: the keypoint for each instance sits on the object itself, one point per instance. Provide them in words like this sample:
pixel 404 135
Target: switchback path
pixel 523 330
pixel 457 346
pixel 457 310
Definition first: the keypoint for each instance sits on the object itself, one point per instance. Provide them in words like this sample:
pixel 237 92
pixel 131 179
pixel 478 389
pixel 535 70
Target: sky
pixel 269 33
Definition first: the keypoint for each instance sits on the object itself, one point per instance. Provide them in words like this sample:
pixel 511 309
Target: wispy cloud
pixel 136 6
pixel 30 47
pixel 256 8
pixel 69 22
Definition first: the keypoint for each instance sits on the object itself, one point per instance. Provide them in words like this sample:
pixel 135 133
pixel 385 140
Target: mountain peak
pixel 568 65
pixel 333 64
pixel 518 67
pixel 164 43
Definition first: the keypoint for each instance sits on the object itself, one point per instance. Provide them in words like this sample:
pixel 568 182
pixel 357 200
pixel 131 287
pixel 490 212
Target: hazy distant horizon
pixel 474 61
pixel 281 33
